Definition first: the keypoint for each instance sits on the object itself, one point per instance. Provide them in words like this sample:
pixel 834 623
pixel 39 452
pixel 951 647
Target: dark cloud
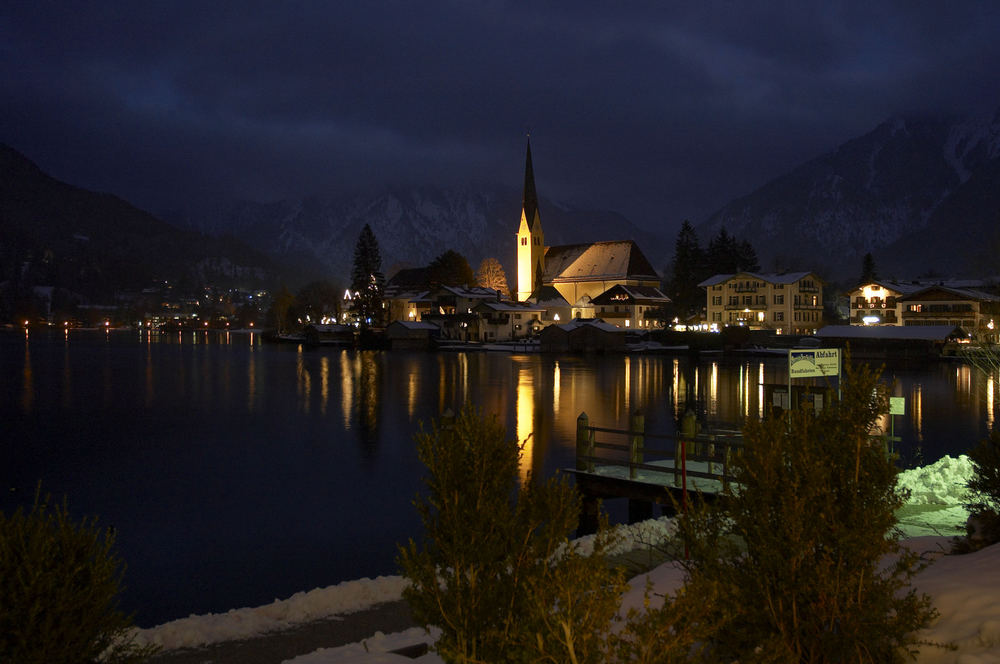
pixel 660 110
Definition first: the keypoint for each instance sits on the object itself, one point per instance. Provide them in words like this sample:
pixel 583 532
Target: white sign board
pixel 813 362
pixel 897 405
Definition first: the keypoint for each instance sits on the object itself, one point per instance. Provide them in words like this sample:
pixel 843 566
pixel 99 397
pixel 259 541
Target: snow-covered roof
pixel 903 287
pixel 589 322
pixel 595 261
pixel 415 325
pixel 633 293
pixel 902 332
pixel 785 278
pixel 963 293
pixel 473 293
pixel 548 297
pixel 510 306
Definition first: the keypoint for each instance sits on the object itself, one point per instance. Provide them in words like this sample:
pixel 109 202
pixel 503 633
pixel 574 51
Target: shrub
pixel 59 583
pixel 495 571
pixel 800 557
pixel 984 492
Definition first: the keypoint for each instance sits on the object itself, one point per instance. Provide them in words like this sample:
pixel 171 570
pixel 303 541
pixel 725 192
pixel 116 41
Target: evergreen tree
pixel 367 280
pixel 451 269
pixel 868 271
pixel 800 555
pixel 727 255
pixel 495 570
pixel 688 272
pixel 746 257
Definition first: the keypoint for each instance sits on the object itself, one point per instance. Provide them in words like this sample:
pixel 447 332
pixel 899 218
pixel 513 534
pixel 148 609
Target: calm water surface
pixel 235 473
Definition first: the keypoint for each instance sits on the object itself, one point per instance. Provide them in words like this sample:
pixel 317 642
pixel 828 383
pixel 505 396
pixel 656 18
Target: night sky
pixel 659 110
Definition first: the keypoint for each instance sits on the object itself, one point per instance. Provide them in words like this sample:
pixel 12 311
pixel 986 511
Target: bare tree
pixel 491 275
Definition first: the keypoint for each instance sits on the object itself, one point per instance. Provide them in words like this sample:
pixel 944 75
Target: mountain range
pixel 922 194
pixel 415 225
pixel 96 245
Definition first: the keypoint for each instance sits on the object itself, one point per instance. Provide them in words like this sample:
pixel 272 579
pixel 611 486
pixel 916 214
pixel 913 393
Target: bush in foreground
pixel 800 557
pixel 495 571
pixel 59 584
pixel 984 492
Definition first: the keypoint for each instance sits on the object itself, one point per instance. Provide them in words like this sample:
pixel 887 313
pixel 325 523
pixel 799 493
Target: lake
pixel 236 472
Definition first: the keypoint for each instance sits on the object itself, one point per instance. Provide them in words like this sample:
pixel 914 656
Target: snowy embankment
pixel 937 492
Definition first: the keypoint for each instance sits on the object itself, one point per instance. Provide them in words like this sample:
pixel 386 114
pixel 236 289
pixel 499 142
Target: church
pixel 609 280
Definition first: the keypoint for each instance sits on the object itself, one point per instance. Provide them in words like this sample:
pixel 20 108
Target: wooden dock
pixel 649 469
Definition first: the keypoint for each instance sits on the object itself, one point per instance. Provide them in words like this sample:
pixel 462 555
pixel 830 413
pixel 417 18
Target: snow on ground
pixel 970 617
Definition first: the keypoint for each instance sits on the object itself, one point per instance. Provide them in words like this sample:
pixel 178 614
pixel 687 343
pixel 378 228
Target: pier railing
pixel 674 458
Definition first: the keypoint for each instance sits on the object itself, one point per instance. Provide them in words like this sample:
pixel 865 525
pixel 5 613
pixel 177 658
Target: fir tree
pixel 688 272
pixel 800 556
pixel 451 269
pixel 868 271
pixel 727 255
pixel 496 571
pixel 367 280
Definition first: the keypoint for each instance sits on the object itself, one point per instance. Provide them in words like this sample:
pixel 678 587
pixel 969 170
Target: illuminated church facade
pixel 613 281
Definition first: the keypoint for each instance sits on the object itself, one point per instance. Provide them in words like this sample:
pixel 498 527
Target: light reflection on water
pixel 219 458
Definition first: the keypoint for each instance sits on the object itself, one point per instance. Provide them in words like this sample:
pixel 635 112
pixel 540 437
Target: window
pixel 779 315
pixel 524 242
pixel 734 299
pixel 748 299
pixel 717 316
pixel 762 299
pixel 716 300
pixel 779 299
pixel 797 301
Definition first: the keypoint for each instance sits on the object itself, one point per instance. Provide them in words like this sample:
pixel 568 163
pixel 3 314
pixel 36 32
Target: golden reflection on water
pixel 525 422
pixel 412 389
pixel 555 388
pixel 303 384
pixel 990 396
pixel 324 382
pixel 917 416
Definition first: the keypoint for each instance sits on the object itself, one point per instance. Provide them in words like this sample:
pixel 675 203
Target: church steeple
pixel 530 239
pixel 529 203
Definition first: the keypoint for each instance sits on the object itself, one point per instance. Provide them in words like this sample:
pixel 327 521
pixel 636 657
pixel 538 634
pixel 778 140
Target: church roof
pixel 548 296
pixel 634 294
pixel 529 203
pixel 595 261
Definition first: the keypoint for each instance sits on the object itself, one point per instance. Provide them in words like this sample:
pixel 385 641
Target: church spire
pixel 529 204
pixel 530 239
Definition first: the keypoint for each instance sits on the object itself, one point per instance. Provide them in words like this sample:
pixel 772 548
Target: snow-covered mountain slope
pixel 415 225
pixel 920 193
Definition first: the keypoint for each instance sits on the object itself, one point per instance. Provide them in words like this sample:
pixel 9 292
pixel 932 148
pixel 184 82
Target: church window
pixel 524 242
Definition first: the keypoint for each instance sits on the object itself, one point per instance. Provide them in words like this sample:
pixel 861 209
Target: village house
pixel 790 303
pixel 955 303
pixel 631 307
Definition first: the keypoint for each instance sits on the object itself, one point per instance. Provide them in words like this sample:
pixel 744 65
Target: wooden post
pixel 710 453
pixel 725 467
pixel 636 443
pixel 584 444
pixel 689 429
